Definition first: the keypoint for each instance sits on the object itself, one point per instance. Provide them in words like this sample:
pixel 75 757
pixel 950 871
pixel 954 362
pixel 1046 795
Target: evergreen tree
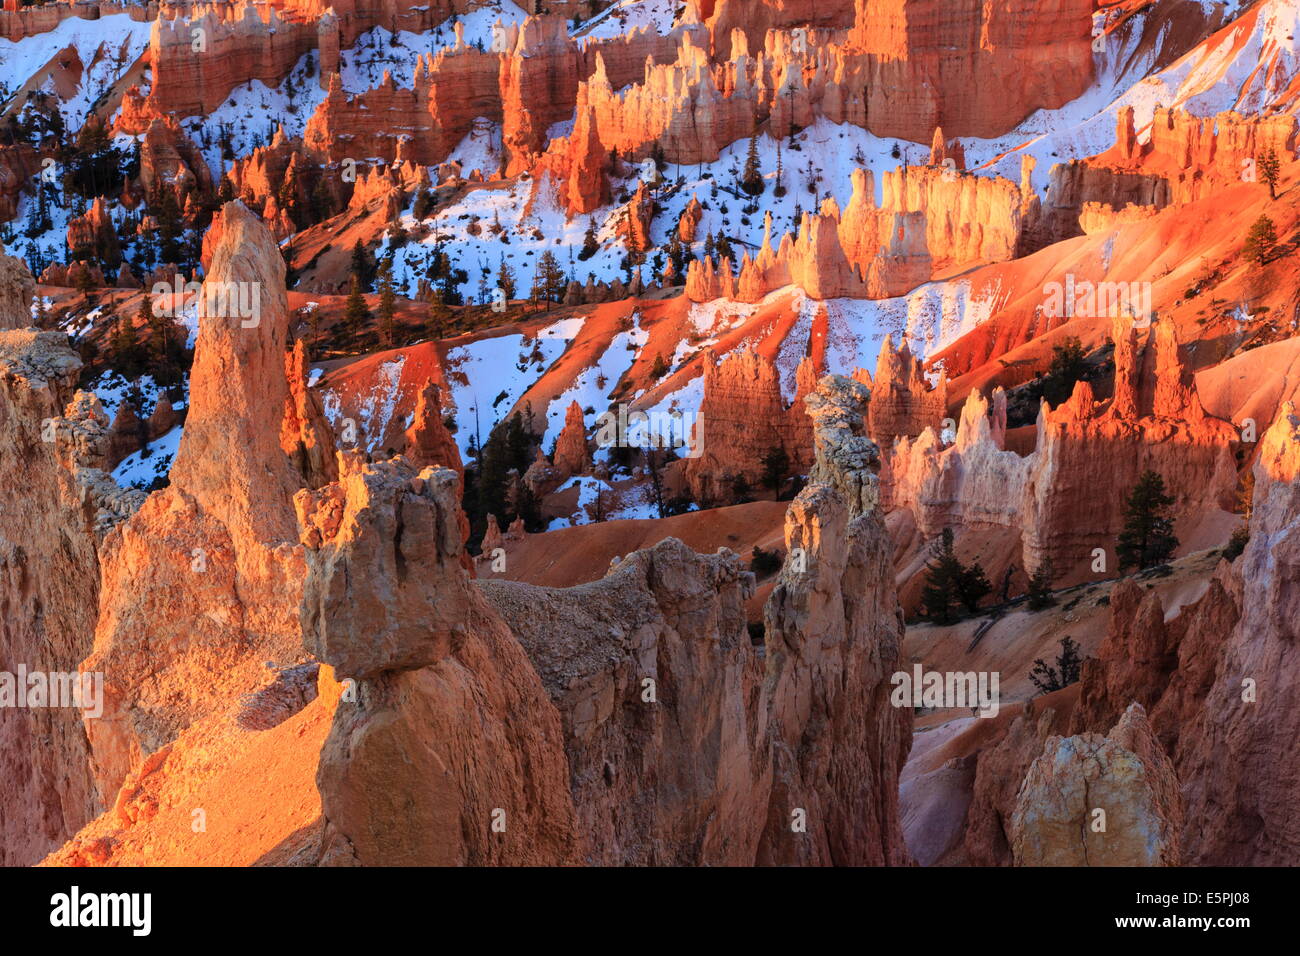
pixel 170 227
pixel 528 508
pixel 125 354
pixel 356 314
pixel 387 304
pixel 751 180
pixel 1067 368
pixel 776 464
pixel 972 586
pixel 322 201
pixel 943 574
pixel 778 189
pixel 438 317
pixel 549 280
pixel 1148 537
pixel 590 241
pixel 506 279
pixel 363 264
pixel 519 440
pixel 85 281
pixel 1260 241
pixel 1069 666
pixel 1040 587
pixel 1270 169
pixel 423 203
pixel 165 344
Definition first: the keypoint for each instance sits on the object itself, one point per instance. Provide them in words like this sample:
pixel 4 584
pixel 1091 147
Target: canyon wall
pixel 931 219
pixel 1182 158
pixel 743 418
pixel 1215 678
pixel 53 452
pixel 1154 421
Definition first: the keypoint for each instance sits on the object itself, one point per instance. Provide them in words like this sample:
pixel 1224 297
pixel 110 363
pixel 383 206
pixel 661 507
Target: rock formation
pixel 450 753
pixel 1183 159
pixel 658 690
pixel 1096 800
pixel 305 435
pixel 743 418
pixel 17 289
pixel 930 219
pixel 834 635
pixel 572 454
pixel 92 235
pixel 902 401
pixel 428 442
pixel 1154 421
pixel 53 452
pixel 194 584
pixel 1212 678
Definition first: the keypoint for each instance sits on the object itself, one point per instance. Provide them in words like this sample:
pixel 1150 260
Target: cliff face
pixel 1181 159
pixel 743 418
pixel 834 634
pixel 449 754
pixel 242 40
pixel 931 219
pixel 966 66
pixel 973 483
pixel 658 690
pixel 783 754
pixel 194 585
pixel 17 289
pixel 48 576
pixel 1212 678
pixel 53 452
pixel 1154 421
pixel 1159 426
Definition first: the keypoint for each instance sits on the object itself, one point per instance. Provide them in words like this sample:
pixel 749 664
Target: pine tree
pixel 590 241
pixel 1069 666
pixel 124 348
pixel 1148 537
pixel 438 316
pixel 387 304
pixel 85 281
pixel 1040 587
pixel 776 463
pixel 1270 168
pixel 751 180
pixel 170 227
pixel 356 314
pixel 163 343
pixel 548 281
pixel 972 586
pixel 1260 241
pixel 1068 367
pixel 361 263
pixel 506 279
pixel 778 189
pixel 322 202
pixel 943 574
